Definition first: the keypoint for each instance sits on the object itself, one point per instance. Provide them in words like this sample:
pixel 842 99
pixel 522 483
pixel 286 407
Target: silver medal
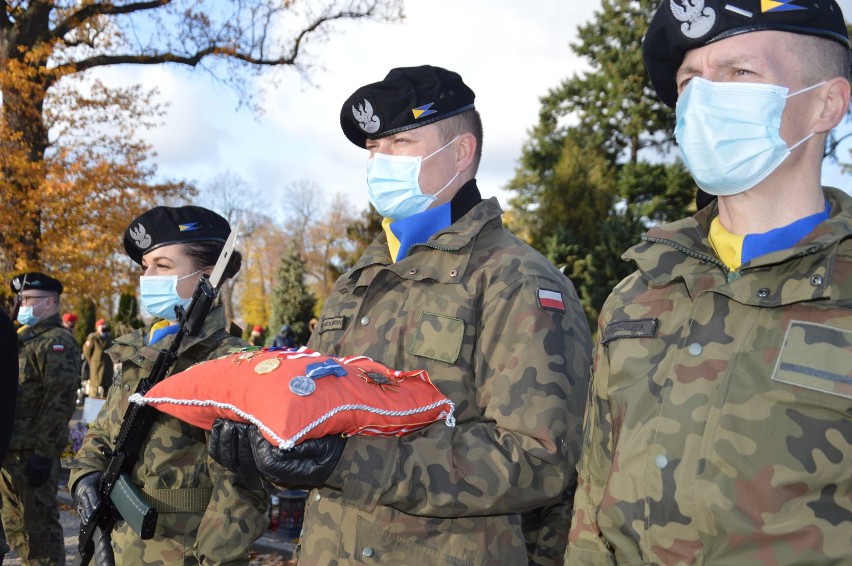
pixel 301 385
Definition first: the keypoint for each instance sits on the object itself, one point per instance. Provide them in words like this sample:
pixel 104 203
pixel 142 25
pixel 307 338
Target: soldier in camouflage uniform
pixel 499 329
pixel 207 515
pixel 719 429
pixel 48 373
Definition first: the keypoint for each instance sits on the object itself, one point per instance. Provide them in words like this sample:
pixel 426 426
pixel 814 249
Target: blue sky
pixel 509 52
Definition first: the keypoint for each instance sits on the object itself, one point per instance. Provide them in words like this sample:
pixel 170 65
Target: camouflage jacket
pixel 465 307
pixel 174 463
pixel 720 424
pixel 48 377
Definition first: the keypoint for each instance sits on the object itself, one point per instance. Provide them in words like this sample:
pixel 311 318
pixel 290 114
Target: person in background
pixel 448 289
pixel 285 338
pixel 48 374
pixel 207 515
pixel 719 429
pixel 257 337
pixel 100 365
pixel 69 321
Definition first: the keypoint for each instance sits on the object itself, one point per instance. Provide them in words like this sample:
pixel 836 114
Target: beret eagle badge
pixel 368 121
pixel 697 20
pixel 140 237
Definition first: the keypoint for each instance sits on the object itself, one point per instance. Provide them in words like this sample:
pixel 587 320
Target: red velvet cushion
pixel 255 386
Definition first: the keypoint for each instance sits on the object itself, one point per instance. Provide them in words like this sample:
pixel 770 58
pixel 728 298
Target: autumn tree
pixel 64 203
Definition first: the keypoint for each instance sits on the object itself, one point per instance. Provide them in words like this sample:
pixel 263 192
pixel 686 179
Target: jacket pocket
pixel 374 545
pixel 438 337
pixel 816 357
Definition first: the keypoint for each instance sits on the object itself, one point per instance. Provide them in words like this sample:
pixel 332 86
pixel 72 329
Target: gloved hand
pixel 38 470
pixel 87 498
pixel 230 446
pixel 86 495
pixel 306 465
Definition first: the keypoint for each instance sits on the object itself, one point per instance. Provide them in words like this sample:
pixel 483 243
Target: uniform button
pixel 661 461
pixel 695 349
pixel 816 280
pixel 763 292
pixel 127 388
pixel 368 552
pixel 317 496
pixel 412 272
pixel 454 272
pixel 365 320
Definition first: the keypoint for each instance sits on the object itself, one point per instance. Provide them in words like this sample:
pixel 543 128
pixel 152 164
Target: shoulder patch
pixel 639 328
pixel 58 347
pixel 550 300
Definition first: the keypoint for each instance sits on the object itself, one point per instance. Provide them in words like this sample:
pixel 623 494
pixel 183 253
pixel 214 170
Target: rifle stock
pixel 119 498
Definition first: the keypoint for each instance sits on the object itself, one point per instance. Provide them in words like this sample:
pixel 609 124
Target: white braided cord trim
pixel 288 443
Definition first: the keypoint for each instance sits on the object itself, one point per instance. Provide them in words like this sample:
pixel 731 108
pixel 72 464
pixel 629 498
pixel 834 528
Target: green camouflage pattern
pixel 463 306
pixel 175 458
pixel 719 428
pixel 48 377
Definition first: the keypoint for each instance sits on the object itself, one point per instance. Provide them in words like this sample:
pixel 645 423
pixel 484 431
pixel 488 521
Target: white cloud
pixel 510 53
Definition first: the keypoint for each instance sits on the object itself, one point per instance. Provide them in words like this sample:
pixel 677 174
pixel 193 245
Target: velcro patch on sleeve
pixel 550 300
pixel 58 347
pixel 335 323
pixel 639 328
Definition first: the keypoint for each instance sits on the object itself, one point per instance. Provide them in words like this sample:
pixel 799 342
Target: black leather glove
pixel 306 465
pixel 38 470
pixel 230 446
pixel 86 495
pixel 87 498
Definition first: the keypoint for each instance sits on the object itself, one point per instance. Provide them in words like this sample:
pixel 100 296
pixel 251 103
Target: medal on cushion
pixel 302 385
pixel 267 366
pixel 382 381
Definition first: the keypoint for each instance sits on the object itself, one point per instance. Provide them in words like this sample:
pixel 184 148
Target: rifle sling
pixel 186 500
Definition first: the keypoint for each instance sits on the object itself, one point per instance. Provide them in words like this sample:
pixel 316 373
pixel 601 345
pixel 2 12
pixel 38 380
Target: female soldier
pixel 206 513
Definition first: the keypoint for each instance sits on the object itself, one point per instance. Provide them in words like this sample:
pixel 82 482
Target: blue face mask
pixel 728 133
pixel 394 184
pixel 159 297
pixel 26 316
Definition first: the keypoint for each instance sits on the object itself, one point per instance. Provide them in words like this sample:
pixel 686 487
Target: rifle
pixel 119 497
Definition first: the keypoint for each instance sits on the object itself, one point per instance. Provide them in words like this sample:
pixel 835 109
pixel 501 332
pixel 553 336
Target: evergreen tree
pixel 127 317
pixel 292 301
pixel 582 191
pixel 85 320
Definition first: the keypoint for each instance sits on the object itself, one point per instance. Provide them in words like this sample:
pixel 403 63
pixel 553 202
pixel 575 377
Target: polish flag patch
pixel 58 347
pixel 551 300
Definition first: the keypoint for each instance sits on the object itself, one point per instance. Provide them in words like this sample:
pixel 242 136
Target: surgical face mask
pixel 26 316
pixel 394 184
pixel 729 133
pixel 159 297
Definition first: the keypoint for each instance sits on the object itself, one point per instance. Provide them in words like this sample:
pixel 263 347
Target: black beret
pixel 35 280
pixel 407 98
pixel 164 225
pixel 681 25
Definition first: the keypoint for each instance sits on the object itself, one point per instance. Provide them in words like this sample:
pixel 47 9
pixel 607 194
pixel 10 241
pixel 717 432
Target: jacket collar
pixel 456 240
pixel 681 250
pixel 134 343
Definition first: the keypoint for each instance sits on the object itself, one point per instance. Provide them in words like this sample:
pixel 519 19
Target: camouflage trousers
pixel 31 515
